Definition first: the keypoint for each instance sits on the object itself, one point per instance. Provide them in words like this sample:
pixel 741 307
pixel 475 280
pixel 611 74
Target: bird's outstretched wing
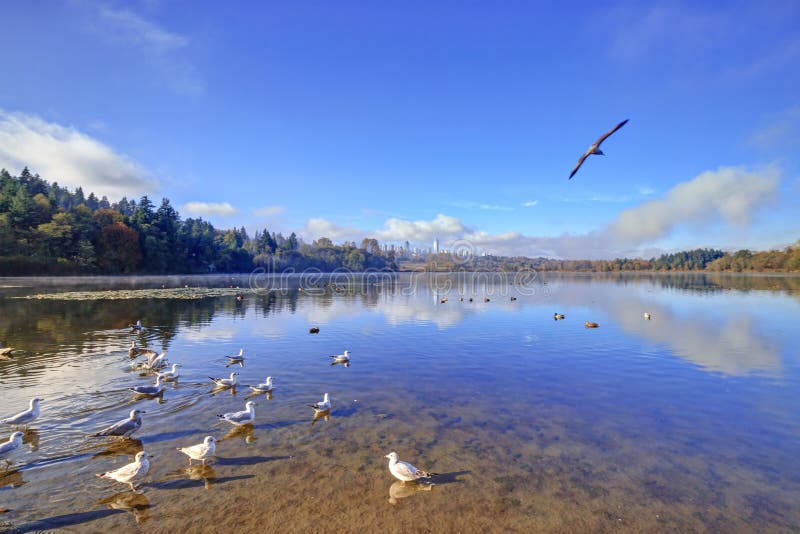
pixel 578 165
pixel 608 133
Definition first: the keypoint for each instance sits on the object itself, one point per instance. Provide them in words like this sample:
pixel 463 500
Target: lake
pixel 689 421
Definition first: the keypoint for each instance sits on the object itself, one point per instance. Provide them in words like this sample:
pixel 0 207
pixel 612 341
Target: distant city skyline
pixel 451 121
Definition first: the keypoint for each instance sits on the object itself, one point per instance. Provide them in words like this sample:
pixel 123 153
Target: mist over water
pixel 687 421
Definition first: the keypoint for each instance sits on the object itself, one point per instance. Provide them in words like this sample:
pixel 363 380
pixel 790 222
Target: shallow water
pixel 687 422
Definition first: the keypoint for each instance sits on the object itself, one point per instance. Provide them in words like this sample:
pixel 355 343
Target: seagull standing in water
pixel 26 416
pixel 244 417
pixel 201 451
pixel 322 406
pixel 126 427
pixel 132 472
pixel 595 148
pixel 14 442
pixel 405 471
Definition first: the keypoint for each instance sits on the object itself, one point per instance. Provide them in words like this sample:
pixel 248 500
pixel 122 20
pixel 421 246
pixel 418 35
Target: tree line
pixel 48 229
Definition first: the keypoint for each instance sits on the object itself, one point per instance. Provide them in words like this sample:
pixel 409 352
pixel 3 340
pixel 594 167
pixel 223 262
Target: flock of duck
pixel 134 473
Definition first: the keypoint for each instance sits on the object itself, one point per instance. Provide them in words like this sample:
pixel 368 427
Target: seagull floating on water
pixel 405 471
pixel 341 358
pixel 132 472
pixel 647 316
pixel 26 416
pixel 172 375
pixel 244 417
pixel 233 360
pixel 126 427
pixel 149 390
pixel 263 388
pixel 595 148
pixel 225 382
pixel 201 451
pixel 558 316
pixel 14 442
pixel 323 406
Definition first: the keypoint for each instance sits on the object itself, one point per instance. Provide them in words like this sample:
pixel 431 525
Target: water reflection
pixel 120 447
pixel 325 415
pixel 402 490
pixel 11 478
pixel 31 438
pixel 129 501
pixel 202 472
pixel 244 432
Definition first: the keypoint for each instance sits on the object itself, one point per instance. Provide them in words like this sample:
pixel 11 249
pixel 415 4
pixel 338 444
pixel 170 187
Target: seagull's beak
pixel 386 456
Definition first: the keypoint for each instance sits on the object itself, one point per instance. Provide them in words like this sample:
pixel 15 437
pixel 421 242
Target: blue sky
pixel 406 120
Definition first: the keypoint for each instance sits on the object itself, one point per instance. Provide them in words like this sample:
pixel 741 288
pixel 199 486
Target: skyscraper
pixel 436 245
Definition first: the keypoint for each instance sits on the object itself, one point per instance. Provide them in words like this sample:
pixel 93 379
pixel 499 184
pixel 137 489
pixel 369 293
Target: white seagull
pixel 172 375
pixel 201 451
pixel 341 358
pixel 244 417
pixel 233 360
pixel 225 382
pixel 26 416
pixel 405 471
pixel 126 427
pixel 149 390
pixel 156 362
pixel 322 406
pixel 595 148
pixel 14 442
pixel 647 316
pixel 132 472
pixel 265 387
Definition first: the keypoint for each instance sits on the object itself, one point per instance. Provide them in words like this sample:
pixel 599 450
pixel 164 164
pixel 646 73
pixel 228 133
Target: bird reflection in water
pixel 321 414
pixel 220 389
pixel 121 447
pixel 400 490
pixel 202 472
pixel 31 438
pixel 129 501
pixel 345 363
pixel 244 431
pixel 12 478
pixel 267 394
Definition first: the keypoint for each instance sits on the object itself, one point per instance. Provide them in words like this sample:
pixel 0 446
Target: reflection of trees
pixel 691 281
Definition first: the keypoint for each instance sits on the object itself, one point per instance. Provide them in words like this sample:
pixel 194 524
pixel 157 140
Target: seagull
pixel 647 316
pixel 225 382
pixel 201 451
pixel 149 390
pixel 265 387
pixel 323 406
pixel 233 360
pixel 26 416
pixel 595 148
pixel 126 427
pixel 172 375
pixel 244 417
pixel 558 316
pixel 341 358
pixel 405 471
pixel 128 474
pixel 14 442
pixel 156 362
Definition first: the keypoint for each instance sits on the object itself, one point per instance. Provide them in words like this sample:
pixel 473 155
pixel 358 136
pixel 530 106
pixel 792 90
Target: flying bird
pixel 595 148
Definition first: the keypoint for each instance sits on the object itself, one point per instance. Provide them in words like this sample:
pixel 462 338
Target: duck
pixel 589 324
pixel 136 327
pixel 486 299
pixel 558 316
pixel 313 330
pixel 5 352
pixel 513 299
pixel 647 316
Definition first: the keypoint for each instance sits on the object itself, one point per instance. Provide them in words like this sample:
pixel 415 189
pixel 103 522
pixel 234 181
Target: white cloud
pixel 63 154
pixel 163 49
pixel 222 209
pixel 782 131
pixel 530 203
pixel 268 211
pixel 480 206
pixel 730 194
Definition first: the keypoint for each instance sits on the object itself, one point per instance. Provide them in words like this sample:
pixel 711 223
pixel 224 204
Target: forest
pixel 46 229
